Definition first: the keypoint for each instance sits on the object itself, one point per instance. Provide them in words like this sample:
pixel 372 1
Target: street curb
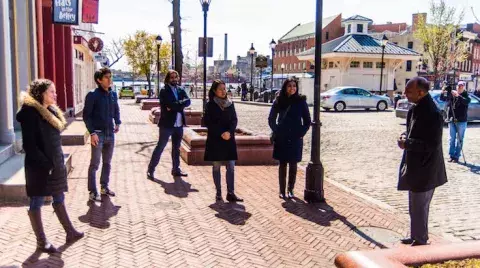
pixel 254 103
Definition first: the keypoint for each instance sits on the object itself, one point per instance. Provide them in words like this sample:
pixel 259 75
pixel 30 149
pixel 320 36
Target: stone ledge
pixel 192 117
pixel 75 134
pixel 148 104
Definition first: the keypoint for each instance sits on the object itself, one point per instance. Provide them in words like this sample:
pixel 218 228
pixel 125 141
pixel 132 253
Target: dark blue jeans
pixel 36 202
pixel 103 151
pixel 165 133
pixel 230 175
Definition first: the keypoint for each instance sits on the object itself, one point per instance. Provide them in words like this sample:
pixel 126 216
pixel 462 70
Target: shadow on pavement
pixel 53 260
pixel 473 167
pixel 232 212
pixel 143 147
pixel 178 188
pixel 323 214
pixel 98 216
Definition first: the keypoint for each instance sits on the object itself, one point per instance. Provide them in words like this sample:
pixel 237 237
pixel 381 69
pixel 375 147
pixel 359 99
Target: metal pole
pixel 314 177
pixel 381 70
pixel 204 102
pixel 251 79
pixel 282 76
pixel 173 52
pixel 158 69
pixel 271 80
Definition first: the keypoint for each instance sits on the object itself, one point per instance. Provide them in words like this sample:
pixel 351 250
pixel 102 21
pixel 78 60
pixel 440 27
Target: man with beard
pixel 173 100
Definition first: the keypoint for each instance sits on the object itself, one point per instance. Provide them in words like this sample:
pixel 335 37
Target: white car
pixel 341 98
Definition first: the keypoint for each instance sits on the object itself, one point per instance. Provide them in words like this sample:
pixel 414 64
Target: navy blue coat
pixel 288 145
pixel 169 102
pixel 101 111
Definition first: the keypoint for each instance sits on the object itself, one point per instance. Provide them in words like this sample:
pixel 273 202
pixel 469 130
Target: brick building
pixel 302 38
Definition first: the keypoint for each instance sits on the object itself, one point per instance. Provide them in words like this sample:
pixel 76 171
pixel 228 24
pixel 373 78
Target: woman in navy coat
pixel 289 120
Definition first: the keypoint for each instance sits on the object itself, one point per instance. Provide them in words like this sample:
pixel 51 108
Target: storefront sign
pixel 99 57
pixel 466 77
pixel 95 44
pixel 79 40
pixel 90 11
pixel 65 12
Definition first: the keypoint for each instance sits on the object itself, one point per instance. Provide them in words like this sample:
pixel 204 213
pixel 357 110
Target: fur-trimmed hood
pixel 57 120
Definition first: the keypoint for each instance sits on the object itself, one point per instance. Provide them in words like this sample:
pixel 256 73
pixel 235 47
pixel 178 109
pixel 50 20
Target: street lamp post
pixel 476 78
pixel 384 44
pixel 171 28
pixel 205 5
pixel 273 44
pixel 283 68
pixel 158 40
pixel 314 177
pixel 252 52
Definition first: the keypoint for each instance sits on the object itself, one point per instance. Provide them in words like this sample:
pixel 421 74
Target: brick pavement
pixel 176 223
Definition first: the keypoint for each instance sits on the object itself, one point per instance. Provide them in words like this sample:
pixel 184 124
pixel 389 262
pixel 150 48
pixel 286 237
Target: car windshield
pixel 333 90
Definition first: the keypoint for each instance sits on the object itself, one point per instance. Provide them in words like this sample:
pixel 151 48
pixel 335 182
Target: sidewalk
pixel 176 223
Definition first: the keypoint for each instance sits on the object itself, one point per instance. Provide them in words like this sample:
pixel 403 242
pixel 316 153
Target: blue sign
pixel 65 12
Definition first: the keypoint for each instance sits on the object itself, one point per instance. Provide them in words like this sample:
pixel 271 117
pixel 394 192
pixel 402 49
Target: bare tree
pixel 115 51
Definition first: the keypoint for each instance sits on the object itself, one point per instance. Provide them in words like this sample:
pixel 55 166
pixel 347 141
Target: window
pixel 378 65
pixel 349 29
pixel 363 92
pixel 304 65
pixel 331 65
pixel 355 64
pixel 367 64
pixel 349 91
pixel 327 36
pixel 359 28
pixel 294 66
pixel 410 45
pixel 409 65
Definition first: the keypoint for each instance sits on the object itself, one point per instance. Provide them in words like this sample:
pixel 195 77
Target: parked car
pixel 341 98
pixel 267 96
pixel 473 109
pixel 126 92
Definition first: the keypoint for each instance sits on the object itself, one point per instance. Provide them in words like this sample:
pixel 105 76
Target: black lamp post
pixel 476 78
pixel 171 29
pixel 252 53
pixel 314 177
pixel 384 44
pixel 283 68
pixel 159 43
pixel 273 44
pixel 205 5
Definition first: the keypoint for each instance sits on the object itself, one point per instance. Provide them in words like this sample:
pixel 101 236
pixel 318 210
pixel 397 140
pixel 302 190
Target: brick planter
pixel 148 104
pixel 252 149
pixel 404 256
pixel 192 117
pixel 139 98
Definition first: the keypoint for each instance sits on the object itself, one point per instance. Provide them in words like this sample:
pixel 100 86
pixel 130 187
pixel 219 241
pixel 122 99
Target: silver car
pixel 341 98
pixel 473 108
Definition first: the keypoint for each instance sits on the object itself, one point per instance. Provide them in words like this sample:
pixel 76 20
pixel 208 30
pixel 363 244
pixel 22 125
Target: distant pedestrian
pixel 422 168
pixel 102 118
pixel 396 99
pixel 173 100
pixel 244 91
pixel 45 172
pixel 221 148
pixel 289 120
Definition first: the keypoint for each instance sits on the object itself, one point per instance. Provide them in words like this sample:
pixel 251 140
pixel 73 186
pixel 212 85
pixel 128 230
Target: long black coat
pixel 219 121
pixel 423 166
pixel 289 131
pixel 45 170
pixel 170 106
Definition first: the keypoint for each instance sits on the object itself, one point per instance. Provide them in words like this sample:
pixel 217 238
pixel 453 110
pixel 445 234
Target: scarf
pixel 223 103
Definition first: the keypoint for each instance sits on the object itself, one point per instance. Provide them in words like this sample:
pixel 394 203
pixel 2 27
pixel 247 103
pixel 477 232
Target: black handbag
pixel 273 135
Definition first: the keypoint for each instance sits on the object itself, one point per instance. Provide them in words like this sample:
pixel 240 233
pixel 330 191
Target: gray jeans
pixel 217 177
pixel 103 151
pixel 419 207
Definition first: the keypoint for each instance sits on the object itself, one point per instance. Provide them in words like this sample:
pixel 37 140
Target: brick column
pixel 69 67
pixel 60 66
pixel 48 44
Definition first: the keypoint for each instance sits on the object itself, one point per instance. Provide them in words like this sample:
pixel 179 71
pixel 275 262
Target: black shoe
pixel 95 197
pixel 290 194
pixel 407 241
pixel 453 160
pixel 150 176
pixel 179 174
pixel 281 196
pixel 416 243
pixel 218 197
pixel 106 191
pixel 231 197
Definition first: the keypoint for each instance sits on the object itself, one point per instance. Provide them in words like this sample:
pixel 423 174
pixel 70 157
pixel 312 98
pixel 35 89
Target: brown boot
pixel 37 226
pixel 72 234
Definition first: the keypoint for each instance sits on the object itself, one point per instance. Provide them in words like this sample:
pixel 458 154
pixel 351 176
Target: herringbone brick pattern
pixel 176 223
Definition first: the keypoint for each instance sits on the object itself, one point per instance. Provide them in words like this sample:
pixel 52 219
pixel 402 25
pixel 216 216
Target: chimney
pixel 389 22
pixel 416 19
pixel 225 49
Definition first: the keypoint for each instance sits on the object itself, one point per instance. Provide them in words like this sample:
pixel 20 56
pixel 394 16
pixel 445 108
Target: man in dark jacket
pixel 422 168
pixel 102 118
pixel 458 101
pixel 173 100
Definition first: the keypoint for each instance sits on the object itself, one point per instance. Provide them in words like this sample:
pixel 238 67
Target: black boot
pixel 72 234
pixel 218 196
pixel 292 177
pixel 37 226
pixel 231 197
pixel 282 178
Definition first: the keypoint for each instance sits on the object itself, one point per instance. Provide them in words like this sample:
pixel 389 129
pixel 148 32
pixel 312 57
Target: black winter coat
pixel 290 128
pixel 171 106
pixel 219 121
pixel 423 166
pixel 458 107
pixel 45 170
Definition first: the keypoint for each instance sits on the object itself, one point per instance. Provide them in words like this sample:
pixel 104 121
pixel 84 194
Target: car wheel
pixel 382 106
pixel 340 106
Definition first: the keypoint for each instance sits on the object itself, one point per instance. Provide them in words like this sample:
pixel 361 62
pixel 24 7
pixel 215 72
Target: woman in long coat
pixel 289 120
pixel 221 148
pixel 45 171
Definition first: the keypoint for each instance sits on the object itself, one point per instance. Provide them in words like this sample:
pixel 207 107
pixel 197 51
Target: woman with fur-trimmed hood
pixel 45 172
pixel 289 120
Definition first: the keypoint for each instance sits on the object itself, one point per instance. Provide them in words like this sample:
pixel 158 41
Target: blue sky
pixel 248 21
